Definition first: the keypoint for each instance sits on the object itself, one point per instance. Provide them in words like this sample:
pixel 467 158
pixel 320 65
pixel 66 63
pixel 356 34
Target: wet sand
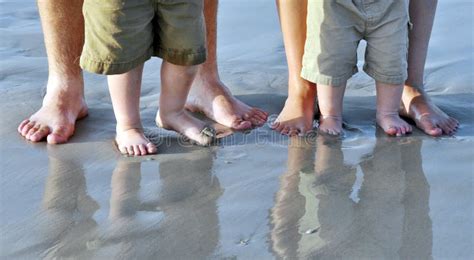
pixel 254 195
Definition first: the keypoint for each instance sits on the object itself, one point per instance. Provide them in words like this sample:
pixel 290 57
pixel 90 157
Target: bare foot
pixel 297 115
pixel 211 97
pixel 331 125
pixel 392 124
pixel 63 105
pixel 427 116
pixel 187 125
pixel 132 141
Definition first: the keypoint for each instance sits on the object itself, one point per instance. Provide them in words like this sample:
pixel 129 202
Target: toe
pixel 59 135
pixel 151 148
pixel 392 131
pixel 239 124
pixel 27 128
pixel 453 123
pixel 252 118
pixel 261 113
pixel 127 151
pixel 130 150
pixel 402 130
pixel 142 149
pixel 122 149
pixel 40 134
pixel 32 131
pixel 22 124
pixel 430 128
pixel 274 125
pixel 136 150
pixel 285 130
pixel 293 131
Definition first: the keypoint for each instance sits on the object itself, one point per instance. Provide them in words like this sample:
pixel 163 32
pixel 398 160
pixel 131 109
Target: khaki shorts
pixel 122 34
pixel 334 30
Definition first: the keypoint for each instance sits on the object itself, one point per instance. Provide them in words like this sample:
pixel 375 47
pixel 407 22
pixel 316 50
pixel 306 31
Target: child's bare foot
pixel 331 125
pixel 132 141
pixel 297 115
pixel 187 125
pixel 392 124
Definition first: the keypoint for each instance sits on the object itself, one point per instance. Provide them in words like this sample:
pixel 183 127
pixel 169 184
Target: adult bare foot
pixel 132 141
pixel 427 116
pixel 297 115
pixel 211 97
pixel 392 124
pixel 63 105
pixel 187 125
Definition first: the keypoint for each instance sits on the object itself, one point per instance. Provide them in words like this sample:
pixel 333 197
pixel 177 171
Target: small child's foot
pixel 187 125
pixel 392 124
pixel 132 141
pixel 331 125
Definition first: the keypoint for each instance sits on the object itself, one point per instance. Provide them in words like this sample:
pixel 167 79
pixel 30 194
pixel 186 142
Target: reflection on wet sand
pixel 317 215
pixel 184 214
pixel 181 223
pixel 68 210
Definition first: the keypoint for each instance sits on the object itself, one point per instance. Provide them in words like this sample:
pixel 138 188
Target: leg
pixel 209 95
pixel 388 103
pixel 175 84
pixel 125 93
pixel 330 99
pixel 298 112
pixel 415 102
pixel 63 104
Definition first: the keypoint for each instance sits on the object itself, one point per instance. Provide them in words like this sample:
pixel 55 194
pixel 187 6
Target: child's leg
pixel 175 84
pixel 330 99
pixel 388 104
pixel 125 93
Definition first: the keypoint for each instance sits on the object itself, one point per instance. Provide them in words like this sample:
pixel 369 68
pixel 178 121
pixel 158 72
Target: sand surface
pixel 253 196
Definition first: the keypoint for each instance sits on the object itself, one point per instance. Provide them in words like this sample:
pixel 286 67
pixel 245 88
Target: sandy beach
pixel 255 195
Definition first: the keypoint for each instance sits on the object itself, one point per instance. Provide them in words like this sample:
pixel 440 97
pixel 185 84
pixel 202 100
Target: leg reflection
pixel 289 202
pixel 315 215
pixel 188 199
pixel 181 224
pixel 67 208
pixel 396 201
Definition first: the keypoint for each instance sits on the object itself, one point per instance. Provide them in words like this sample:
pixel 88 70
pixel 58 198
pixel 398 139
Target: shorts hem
pixel 379 77
pixel 111 68
pixel 182 58
pixel 327 80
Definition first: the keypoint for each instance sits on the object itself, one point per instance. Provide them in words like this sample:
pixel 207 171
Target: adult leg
pixel 63 104
pixel 298 112
pixel 209 95
pixel 415 102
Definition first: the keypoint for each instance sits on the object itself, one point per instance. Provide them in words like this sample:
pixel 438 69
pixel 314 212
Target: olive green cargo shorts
pixel 334 30
pixel 122 34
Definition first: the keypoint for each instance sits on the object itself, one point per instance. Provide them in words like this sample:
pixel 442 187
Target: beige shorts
pixel 334 30
pixel 122 34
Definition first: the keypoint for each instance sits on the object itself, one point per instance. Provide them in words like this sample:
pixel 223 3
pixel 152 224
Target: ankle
pixel 386 114
pixel 120 128
pixel 167 117
pixel 337 117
